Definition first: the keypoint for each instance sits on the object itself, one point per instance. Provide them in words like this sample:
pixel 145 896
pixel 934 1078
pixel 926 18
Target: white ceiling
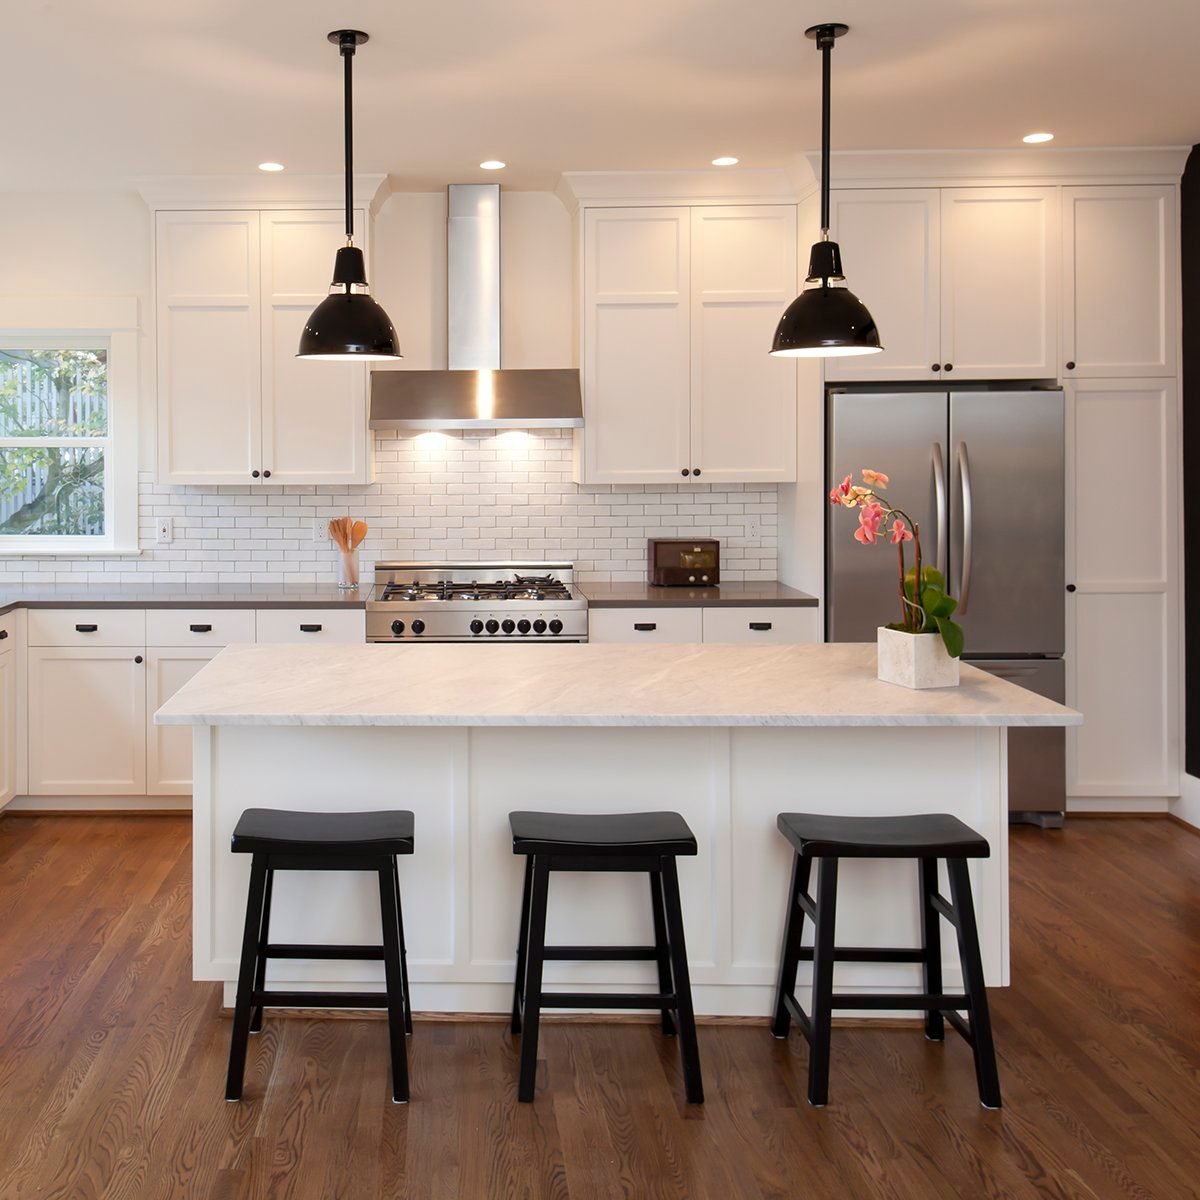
pixel 95 91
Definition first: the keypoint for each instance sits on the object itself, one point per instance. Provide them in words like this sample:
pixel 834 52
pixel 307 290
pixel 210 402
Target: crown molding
pixel 260 191
pixel 1028 166
pixel 720 185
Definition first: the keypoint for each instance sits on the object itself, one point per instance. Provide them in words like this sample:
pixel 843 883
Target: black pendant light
pixel 348 323
pixel 825 321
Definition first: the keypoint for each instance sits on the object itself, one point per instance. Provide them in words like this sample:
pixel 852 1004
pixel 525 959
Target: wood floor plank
pixel 112 1060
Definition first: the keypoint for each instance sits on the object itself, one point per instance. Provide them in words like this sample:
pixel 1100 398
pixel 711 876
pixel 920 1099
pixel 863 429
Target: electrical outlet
pixel 753 529
pixel 165 532
pixel 320 529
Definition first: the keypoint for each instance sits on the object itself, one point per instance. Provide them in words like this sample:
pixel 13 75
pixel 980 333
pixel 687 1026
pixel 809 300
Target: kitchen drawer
pixel 761 626
pixel 311 625
pixel 199 626
pixel 87 627
pixel 645 625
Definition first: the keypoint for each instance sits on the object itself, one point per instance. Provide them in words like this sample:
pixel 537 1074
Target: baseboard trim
pixel 99 805
pixel 1131 806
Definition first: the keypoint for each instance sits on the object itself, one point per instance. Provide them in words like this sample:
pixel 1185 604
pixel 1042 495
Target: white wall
pixel 478 495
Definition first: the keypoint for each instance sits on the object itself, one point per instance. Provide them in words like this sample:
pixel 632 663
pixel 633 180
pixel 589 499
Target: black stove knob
pixel 507 625
pixel 493 625
pixel 418 626
pixel 539 626
pixel 477 626
pixel 397 628
pixel 556 626
pixel 523 626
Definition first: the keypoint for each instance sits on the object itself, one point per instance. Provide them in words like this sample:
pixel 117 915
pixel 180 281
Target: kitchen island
pixel 462 734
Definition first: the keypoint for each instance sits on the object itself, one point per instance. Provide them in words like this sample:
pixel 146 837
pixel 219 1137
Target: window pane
pixel 52 491
pixel 53 393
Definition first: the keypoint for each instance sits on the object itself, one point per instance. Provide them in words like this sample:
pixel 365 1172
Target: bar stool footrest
pixel 600 953
pixel 271 999
pixel 291 950
pixel 650 1000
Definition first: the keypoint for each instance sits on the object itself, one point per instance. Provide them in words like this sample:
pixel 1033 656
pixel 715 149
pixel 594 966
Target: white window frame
pixel 103 323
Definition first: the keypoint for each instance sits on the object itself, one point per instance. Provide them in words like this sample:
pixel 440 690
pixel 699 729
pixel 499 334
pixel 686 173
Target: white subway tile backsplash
pixel 482 494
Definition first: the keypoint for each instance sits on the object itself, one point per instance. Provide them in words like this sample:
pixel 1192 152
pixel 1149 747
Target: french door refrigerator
pixel 983 473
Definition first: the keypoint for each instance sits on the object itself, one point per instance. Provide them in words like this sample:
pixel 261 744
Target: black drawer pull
pixel 86 628
pixel 200 628
pixel 645 626
pixel 760 626
pixel 310 628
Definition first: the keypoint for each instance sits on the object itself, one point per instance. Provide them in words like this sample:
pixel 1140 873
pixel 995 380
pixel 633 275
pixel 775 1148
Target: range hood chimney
pixel 475 392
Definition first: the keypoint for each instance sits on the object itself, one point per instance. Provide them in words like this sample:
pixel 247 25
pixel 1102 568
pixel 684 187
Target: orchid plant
pixel 924 608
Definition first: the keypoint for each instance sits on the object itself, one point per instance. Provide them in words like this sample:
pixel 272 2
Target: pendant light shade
pixel 825 321
pixel 348 323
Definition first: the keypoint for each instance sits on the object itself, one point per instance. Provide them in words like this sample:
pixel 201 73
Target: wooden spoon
pixel 357 533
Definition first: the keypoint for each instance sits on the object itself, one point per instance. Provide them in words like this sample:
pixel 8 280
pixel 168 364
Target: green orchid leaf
pixel 952 636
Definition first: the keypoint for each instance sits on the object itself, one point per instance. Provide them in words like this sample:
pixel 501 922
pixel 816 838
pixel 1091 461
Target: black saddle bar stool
pixel 281 840
pixel 648 842
pixel 926 838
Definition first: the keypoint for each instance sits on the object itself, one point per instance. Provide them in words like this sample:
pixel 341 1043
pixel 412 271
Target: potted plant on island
pixel 922 649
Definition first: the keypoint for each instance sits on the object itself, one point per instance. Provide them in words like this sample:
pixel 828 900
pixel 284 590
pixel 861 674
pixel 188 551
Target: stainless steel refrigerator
pixel 983 472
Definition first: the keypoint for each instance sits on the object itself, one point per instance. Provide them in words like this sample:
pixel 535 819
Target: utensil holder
pixel 348 569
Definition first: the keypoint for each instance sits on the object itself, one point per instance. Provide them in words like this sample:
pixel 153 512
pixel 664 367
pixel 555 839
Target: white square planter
pixel 915 660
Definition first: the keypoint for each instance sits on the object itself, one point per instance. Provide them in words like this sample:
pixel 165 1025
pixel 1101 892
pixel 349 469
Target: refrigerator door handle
pixel 943 516
pixel 964 471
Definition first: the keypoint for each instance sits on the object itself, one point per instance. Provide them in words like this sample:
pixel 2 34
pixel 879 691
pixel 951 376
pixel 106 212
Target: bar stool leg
pixel 793 939
pixel 931 942
pixel 663 946
pixel 392 976
pixel 822 990
pixel 689 1047
pixel 522 948
pixel 403 949
pixel 260 975
pixel 535 950
pixel 986 1073
pixel 246 973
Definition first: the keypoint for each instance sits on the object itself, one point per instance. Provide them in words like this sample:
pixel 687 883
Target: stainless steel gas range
pixel 476 602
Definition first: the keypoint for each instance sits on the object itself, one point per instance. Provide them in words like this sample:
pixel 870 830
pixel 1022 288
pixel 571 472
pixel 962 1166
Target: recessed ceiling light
pixel 726 160
pixel 493 164
pixel 1034 138
pixel 270 166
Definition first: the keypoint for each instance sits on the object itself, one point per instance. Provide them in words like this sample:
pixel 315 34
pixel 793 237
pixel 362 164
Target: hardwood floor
pixel 112 1060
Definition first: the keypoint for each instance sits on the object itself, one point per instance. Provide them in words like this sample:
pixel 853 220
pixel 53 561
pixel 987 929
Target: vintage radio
pixel 684 562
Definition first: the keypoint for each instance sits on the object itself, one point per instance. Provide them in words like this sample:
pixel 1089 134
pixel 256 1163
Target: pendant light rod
pixel 347 41
pixel 825 36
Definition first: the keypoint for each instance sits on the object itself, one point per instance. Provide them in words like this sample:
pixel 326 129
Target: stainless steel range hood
pixel 475 392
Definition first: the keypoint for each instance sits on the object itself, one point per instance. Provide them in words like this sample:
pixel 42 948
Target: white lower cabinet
pixel 169 747
pixel 8 727
pixel 87 721
pixel 778 624
pixel 312 626
pixel 648 625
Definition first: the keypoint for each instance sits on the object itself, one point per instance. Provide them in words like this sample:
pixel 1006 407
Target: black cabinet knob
pixel 539 626
pixel 493 625
pixel 948 367
pixel 685 471
pixel 418 626
pixel 137 658
pixel 3 634
pixel 266 474
pixel 397 628
pixel 556 626
pixel 1070 587
pixel 1070 366
pixel 477 626
pixel 936 367
pixel 254 474
pixel 696 471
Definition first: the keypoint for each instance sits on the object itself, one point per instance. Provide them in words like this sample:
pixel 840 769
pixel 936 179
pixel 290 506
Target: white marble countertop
pixel 599 684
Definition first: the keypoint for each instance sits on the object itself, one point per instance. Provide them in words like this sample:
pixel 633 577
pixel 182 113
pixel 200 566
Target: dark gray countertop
pixel 136 595
pixel 765 594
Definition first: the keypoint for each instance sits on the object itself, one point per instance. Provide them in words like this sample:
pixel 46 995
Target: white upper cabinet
pixel 999 263
pixel 1120 278
pixel 679 305
pixel 891 247
pixel 636 344
pixel 743 409
pixel 234 403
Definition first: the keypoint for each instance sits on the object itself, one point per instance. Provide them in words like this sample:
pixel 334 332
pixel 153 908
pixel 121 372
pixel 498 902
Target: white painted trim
pixel 720 185
pixel 260 191
pixel 1118 804
pixel 100 804
pixel 1186 806
pixel 68 314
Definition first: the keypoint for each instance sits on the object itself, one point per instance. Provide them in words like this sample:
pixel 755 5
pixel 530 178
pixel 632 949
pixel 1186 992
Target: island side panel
pixel 462 887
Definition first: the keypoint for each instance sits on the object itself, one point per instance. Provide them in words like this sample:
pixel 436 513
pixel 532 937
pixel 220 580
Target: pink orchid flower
pixel 866 535
pixel 840 493
pixel 875 478
pixel 900 532
pixel 871 514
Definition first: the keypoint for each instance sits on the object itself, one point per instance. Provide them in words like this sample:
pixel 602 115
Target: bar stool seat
pixel 926 837
pixel 285 840
pixel 640 842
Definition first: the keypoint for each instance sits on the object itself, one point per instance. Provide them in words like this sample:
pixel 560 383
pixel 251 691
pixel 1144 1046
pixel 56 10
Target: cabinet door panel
pixel 1120 255
pixel 743 400
pixel 891 248
pixel 207 301
pixel 87 722
pixel 8 727
pixel 169 747
pixel 636 345
pixel 1000 283
pixel 314 414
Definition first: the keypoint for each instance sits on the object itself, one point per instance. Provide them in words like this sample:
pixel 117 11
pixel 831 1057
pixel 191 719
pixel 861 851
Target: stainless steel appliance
pixel 475 602
pixel 683 562
pixel 983 473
